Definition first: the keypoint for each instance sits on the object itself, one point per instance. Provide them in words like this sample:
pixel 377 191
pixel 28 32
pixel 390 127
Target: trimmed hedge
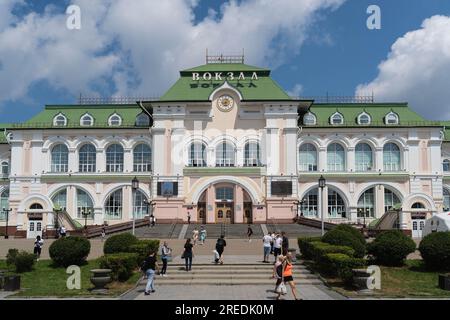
pixel 319 249
pixel 355 232
pixel 24 261
pixel 143 247
pixel 340 237
pixel 341 265
pixel 119 243
pixel 435 251
pixel 121 264
pixel 70 251
pixel 11 256
pixel 390 248
pixel 305 246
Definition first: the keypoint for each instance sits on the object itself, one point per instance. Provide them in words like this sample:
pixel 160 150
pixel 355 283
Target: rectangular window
pixel 281 188
pixel 167 189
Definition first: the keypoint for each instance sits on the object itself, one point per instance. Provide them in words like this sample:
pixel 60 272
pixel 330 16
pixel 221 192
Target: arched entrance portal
pixel 225 203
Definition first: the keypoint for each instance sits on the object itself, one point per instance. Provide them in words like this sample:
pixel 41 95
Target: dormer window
pixel 337 119
pixel 60 120
pixel 115 120
pixel 309 119
pixel 391 118
pixel 142 120
pixel 364 119
pixel 87 120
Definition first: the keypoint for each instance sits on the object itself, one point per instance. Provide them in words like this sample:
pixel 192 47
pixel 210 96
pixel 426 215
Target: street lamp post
pixel 322 183
pixel 134 187
pixel 85 215
pixel 57 211
pixel 7 211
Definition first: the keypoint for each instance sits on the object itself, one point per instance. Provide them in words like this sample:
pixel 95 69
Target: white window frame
pixel 225 154
pixel 307 166
pixel 369 118
pixel 336 167
pixel 59 166
pixel 332 119
pixel 85 208
pixel 117 163
pixel 391 116
pixel 365 165
pixel 252 154
pixel 140 121
pixel 59 117
pixel 114 205
pixel 309 119
pixel 197 155
pixel 142 165
pixel 89 163
pixel 391 166
pixel 446 165
pixel 5 172
pixel 85 117
pixel 118 118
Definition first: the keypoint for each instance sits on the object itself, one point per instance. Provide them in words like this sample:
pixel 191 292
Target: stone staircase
pixel 231 274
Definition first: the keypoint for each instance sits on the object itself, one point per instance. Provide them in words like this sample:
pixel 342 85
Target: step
pixel 188 276
pixel 230 272
pixel 233 266
pixel 232 281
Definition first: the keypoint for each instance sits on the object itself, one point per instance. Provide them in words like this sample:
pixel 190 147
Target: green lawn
pixel 411 280
pixel 48 281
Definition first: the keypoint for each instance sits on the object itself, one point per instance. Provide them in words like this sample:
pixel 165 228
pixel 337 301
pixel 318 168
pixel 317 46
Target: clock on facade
pixel 225 103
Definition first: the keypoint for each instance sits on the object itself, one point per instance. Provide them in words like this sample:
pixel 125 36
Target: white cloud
pixel 296 90
pixel 141 45
pixel 417 70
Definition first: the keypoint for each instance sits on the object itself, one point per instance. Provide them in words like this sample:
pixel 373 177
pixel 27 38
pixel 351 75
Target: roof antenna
pixel 206 55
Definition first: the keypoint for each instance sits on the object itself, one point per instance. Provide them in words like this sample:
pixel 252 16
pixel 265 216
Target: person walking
pixel 287 275
pixel 277 273
pixel 189 217
pixel 62 231
pixel 267 239
pixel 220 247
pixel 195 236
pixel 103 234
pixel 285 245
pixel 149 267
pixel 166 254
pixel 249 233
pixel 272 235
pixel 188 254
pixel 38 243
pixel 152 220
pixel 202 235
pixel 277 245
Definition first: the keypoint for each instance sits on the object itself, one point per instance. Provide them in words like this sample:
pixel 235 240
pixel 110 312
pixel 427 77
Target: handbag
pixel 183 256
pixel 281 288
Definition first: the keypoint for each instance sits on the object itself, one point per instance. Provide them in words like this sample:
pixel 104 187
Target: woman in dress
pixel 188 254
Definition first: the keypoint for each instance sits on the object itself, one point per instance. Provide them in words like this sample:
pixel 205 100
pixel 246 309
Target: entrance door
pixel 224 212
pixel 201 212
pixel 248 213
pixel 34 229
pixel 417 227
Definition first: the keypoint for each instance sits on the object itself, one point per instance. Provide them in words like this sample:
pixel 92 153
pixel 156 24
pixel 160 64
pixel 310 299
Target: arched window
pixel 114 158
pixel 142 158
pixel 60 200
pixel 364 119
pixel 115 120
pixel 418 205
pixel 59 120
pixel 85 205
pixel 309 119
pixel 366 204
pixel 391 157
pixel 60 158
pixel 5 168
pixel 224 193
pixel 308 157
pixel 335 157
pixel 142 120
pixel 36 206
pixel 391 118
pixel 113 206
pixel 197 155
pixel 252 154
pixel 446 165
pixel 390 200
pixel 225 155
pixel 4 203
pixel 337 118
pixel 336 205
pixel 446 200
pixel 86 120
pixel 363 157
pixel 140 208
pixel 310 203
pixel 87 158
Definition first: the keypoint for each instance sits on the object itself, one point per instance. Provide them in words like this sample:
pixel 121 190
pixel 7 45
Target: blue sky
pixel 332 52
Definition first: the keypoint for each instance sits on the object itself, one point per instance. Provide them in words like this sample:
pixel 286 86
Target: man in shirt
pixel 277 246
pixel 267 239
pixel 285 245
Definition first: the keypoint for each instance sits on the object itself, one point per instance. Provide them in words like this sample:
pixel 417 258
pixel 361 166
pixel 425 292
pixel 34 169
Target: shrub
pixel 320 249
pixel 435 251
pixel 390 248
pixel 69 251
pixel 143 247
pixel 341 265
pixel 344 238
pixel 305 246
pixel 355 232
pixel 121 264
pixel 11 256
pixel 119 243
pixel 24 261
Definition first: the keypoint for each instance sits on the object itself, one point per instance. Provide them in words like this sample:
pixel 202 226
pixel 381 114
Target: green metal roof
pixel 73 113
pixel 187 89
pixel 376 111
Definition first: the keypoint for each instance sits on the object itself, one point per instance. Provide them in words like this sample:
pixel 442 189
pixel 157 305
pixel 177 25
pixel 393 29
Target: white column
pixel 351 159
pixel 73 161
pixel 291 150
pixel 240 157
pixel 127 160
pixel 272 151
pixel 379 158
pixel 178 149
pixel 159 150
pixel 322 159
pixel 100 160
